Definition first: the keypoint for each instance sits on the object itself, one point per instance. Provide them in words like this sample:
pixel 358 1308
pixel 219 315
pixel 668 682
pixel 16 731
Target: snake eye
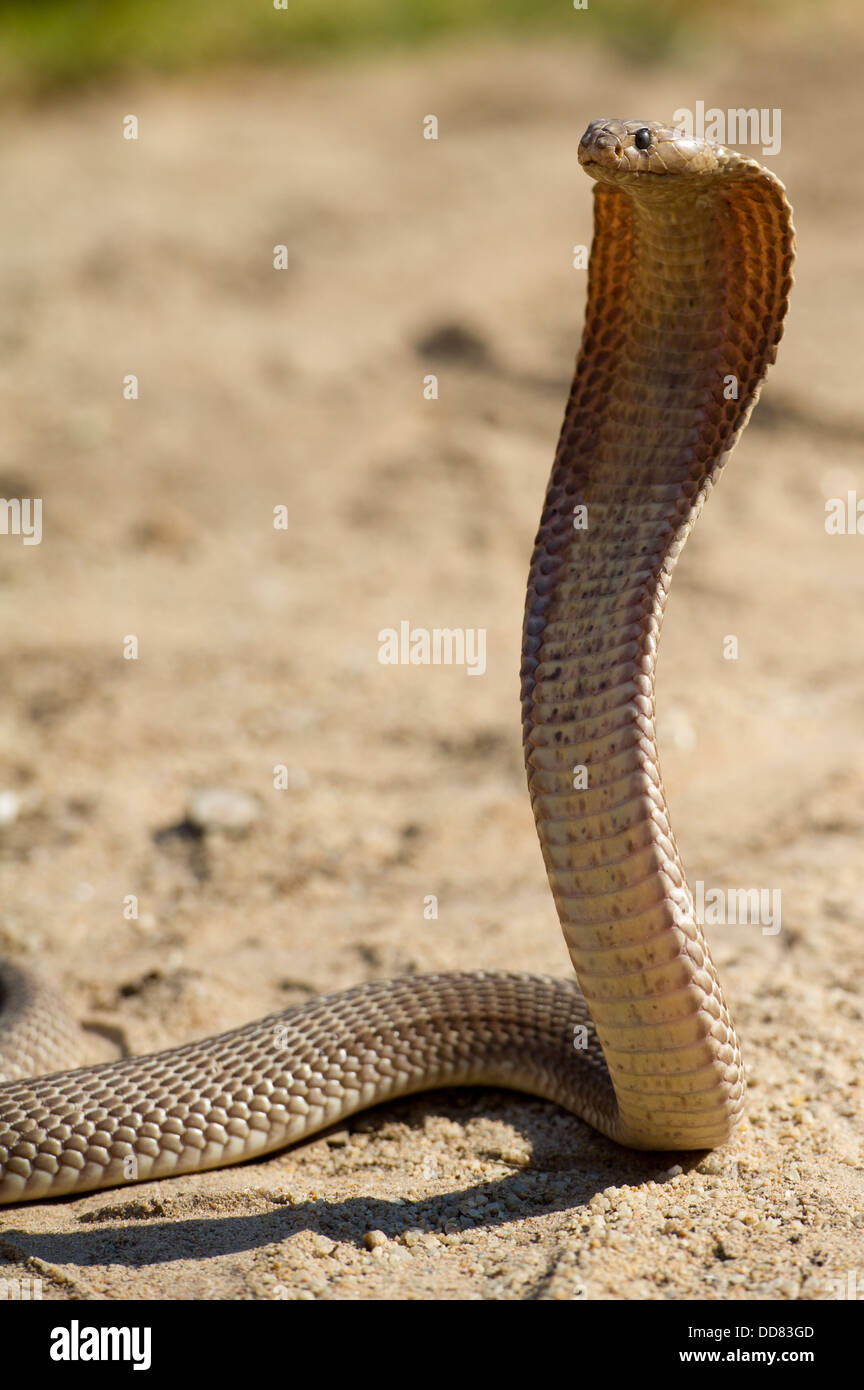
pixel 643 139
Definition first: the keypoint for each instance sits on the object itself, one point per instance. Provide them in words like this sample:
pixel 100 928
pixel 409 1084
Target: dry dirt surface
pixel 257 647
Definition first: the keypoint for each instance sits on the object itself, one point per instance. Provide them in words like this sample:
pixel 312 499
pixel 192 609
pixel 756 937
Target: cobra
pixel 688 282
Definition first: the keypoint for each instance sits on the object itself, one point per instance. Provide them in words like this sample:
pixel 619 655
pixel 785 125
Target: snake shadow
pixel 569 1164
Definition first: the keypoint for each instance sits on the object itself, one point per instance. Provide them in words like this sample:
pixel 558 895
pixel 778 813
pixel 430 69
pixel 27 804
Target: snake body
pixel 688 280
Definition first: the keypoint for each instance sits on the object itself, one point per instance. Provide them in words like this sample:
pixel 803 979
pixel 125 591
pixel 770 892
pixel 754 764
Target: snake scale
pixel 688 280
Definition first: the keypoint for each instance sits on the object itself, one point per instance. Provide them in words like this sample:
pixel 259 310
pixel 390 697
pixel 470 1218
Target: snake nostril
pixel 618 149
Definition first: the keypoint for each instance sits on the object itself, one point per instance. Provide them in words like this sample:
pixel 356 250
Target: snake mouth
pixel 589 162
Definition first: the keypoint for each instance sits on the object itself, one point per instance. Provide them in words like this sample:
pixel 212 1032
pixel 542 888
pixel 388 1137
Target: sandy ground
pixel 258 647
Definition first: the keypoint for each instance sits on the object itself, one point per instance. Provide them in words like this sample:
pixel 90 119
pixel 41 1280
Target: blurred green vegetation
pixel 45 44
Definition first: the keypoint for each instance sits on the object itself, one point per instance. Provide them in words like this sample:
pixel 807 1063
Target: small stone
pixel 322 1246
pixel 220 808
pixel 374 1240
pixel 10 806
pixel 711 1164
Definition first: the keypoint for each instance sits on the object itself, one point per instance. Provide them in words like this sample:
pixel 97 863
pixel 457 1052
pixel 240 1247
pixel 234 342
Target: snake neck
pixel 670 365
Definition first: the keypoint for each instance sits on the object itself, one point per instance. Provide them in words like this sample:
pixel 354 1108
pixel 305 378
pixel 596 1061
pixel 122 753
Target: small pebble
pixel 374 1240
pixel 10 806
pixel 322 1246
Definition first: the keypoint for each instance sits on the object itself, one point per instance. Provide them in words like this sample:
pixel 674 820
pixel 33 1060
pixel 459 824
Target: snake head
pixel 624 152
